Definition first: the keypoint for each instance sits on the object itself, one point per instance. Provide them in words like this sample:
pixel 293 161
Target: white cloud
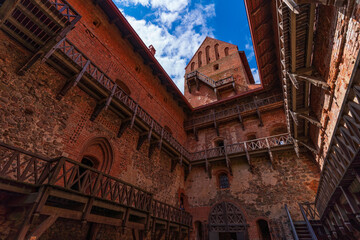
pixel 167 18
pixel 174 48
pixel 169 5
pixel 250 51
pixel 255 73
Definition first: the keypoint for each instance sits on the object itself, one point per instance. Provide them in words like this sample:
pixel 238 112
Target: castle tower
pixel 217 70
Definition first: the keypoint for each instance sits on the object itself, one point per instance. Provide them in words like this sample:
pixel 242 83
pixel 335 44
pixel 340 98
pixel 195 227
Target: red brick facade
pixel 241 133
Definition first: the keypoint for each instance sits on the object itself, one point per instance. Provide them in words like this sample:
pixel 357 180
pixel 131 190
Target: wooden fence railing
pixel 63 173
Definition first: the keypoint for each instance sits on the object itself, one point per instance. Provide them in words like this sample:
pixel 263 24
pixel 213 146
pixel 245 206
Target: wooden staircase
pixel 302 230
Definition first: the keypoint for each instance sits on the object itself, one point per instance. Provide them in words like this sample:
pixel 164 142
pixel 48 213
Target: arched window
pixel 123 86
pixel 219 143
pixel 264 231
pixel 217 51
pixel 192 66
pixel 226 50
pixel 207 51
pixel 223 181
pixel 199 59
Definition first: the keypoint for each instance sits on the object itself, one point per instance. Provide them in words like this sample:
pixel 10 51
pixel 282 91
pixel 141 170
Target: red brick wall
pixel 336 44
pixel 230 65
pixel 113 54
pixel 32 119
pixel 232 131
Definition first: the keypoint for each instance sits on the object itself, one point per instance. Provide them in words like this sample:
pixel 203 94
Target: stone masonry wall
pixel 260 194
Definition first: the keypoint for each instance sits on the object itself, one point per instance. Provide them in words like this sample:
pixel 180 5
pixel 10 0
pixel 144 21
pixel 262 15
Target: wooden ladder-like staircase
pixel 302 230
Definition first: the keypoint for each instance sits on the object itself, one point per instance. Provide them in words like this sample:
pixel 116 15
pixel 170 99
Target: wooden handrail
pixel 292 226
pixel 63 173
pixel 308 225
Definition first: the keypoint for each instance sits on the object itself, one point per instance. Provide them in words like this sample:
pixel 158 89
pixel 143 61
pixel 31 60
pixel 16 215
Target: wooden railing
pixel 63 173
pixel 308 225
pixel 64 8
pixel 292 226
pixel 244 147
pixel 230 112
pixel 209 81
pixel 67 48
pixel 310 210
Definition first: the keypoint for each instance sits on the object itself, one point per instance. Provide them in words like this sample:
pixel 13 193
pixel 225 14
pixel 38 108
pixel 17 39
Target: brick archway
pixel 100 152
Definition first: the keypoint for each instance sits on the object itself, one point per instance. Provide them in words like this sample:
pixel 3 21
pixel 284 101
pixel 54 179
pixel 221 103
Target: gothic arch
pixel 227 217
pixel 100 152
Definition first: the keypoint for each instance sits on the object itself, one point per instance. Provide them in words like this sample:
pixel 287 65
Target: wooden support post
pixel 352 203
pixel 316 81
pixel 206 162
pixel 173 164
pixel 141 140
pixel 72 82
pixel 134 116
pixel 258 113
pixel 247 154
pixel 312 149
pixel 338 223
pixel 215 125
pixel 296 148
pixel 152 147
pixel 228 162
pixel 97 110
pixel 33 212
pixel 40 229
pixel 292 6
pixel 343 216
pixel 293 80
pixel 161 139
pixel 123 126
pixel 270 153
pixel 240 118
pixel 93 231
pixel 293 55
pixel 195 134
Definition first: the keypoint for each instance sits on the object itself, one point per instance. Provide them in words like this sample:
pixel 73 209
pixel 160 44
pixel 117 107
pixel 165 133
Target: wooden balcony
pixel 71 190
pixel 234 112
pixel 247 148
pixel 84 73
pixel 195 77
pixel 37 24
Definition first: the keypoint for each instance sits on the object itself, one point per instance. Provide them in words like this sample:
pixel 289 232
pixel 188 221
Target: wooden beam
pixel 293 59
pixel 40 229
pixel 142 137
pixel 351 202
pixel 93 231
pixel 72 82
pixel 123 126
pixel 293 80
pixel 292 6
pixel 316 81
pixel 103 104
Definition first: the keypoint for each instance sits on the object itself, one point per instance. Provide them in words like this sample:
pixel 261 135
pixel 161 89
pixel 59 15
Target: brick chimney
pixel 152 49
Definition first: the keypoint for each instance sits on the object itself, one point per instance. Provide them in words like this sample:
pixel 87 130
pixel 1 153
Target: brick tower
pixel 217 70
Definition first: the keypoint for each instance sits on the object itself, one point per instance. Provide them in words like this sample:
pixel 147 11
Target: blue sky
pixel 176 28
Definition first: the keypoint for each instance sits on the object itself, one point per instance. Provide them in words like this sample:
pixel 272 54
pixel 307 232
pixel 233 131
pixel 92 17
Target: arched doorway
pixel 226 222
pixel 264 230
